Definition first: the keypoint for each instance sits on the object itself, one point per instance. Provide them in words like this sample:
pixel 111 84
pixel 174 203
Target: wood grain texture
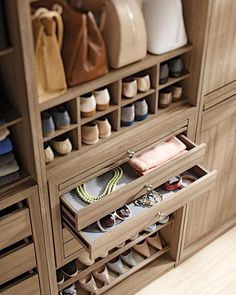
pixel 14 227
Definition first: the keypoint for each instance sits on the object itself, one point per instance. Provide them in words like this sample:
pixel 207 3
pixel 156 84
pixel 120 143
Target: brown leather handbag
pixel 83 49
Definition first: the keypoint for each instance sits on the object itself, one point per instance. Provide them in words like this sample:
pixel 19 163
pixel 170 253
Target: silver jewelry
pixel 148 200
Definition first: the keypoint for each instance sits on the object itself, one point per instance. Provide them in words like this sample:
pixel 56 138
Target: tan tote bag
pixel 48 37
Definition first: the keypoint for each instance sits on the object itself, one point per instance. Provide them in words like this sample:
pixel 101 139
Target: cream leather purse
pixel 48 36
pixel 123 28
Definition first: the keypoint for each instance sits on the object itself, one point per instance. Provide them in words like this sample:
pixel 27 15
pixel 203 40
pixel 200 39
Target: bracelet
pixel 173 183
pixel 188 179
pixel 109 188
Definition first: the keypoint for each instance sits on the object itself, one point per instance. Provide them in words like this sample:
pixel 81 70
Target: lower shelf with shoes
pixel 123 261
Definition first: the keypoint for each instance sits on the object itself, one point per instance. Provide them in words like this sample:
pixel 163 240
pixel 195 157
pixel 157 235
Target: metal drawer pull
pixel 161 215
pixel 130 154
pixel 149 187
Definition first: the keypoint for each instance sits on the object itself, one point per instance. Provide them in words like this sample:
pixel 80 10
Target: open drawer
pixel 97 243
pixel 130 187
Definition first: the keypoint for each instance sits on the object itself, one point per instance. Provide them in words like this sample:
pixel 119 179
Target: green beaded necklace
pixel 109 188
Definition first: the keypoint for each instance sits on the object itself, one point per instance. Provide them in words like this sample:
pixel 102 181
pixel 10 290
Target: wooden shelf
pixel 172 81
pixel 7 51
pixel 60 132
pixel 126 101
pixel 113 76
pixel 99 114
pixel 112 255
pixel 173 106
pixel 11 117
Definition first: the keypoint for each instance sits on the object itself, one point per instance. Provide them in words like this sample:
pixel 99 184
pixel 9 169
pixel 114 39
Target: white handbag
pixel 123 28
pixel 165 25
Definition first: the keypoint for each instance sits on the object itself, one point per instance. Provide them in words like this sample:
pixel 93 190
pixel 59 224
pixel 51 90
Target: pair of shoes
pixel 143 248
pixel 173 68
pixel 91 132
pixel 56 118
pixel 60 144
pixel 116 264
pixel 70 270
pixel 169 95
pixel 99 99
pixel 137 111
pixel 70 290
pixel 131 85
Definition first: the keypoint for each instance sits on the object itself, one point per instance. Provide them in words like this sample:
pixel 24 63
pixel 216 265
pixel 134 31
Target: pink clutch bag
pixel 158 155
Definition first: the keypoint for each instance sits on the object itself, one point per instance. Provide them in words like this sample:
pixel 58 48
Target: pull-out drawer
pixel 17 261
pixel 28 285
pixel 131 186
pixel 97 243
pixel 15 226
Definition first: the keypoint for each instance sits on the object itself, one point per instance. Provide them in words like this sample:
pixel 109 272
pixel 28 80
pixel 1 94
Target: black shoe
pixel 60 277
pixel 176 67
pixel 70 269
pixel 164 73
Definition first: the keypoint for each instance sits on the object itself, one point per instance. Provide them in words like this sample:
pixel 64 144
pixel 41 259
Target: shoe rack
pixel 60 240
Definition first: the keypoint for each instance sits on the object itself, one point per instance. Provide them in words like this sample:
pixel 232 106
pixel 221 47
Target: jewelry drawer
pixel 16 261
pixel 132 186
pixel 15 226
pixel 97 242
pixel 28 285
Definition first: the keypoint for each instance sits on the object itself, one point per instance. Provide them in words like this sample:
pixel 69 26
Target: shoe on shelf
pixel 104 127
pixel 9 168
pixel 150 228
pixel 102 98
pixel 127 115
pixel 87 105
pixel 104 255
pixel 6 159
pixel 143 82
pixel 116 265
pixel 165 98
pixel 142 248
pixel 60 277
pixel 61 117
pixel 164 220
pixel 177 92
pixel 48 153
pixel 90 133
pixel 62 144
pixel 155 241
pixel 6 146
pixel 71 290
pixel 164 73
pixel 70 269
pixel 141 110
pixel 84 258
pixel 176 67
pixel 102 274
pixel 4 132
pixel 128 257
pixel 129 87
pixel 88 283
pixel 48 125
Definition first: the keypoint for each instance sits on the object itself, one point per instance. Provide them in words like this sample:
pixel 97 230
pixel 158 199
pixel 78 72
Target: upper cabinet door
pixel 220 63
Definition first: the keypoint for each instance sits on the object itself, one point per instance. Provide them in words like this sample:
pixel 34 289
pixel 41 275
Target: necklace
pixel 109 188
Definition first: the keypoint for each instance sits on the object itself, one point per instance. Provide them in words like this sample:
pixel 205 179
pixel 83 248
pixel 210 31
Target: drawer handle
pixel 161 215
pixel 130 154
pixel 149 187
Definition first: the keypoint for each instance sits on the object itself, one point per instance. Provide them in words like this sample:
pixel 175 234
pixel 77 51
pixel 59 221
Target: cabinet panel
pixel 220 68
pixel 219 205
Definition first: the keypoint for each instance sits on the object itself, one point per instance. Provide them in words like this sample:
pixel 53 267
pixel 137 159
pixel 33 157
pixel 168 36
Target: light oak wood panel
pixel 219 205
pixel 220 69
pixel 17 262
pixel 14 227
pixel 29 286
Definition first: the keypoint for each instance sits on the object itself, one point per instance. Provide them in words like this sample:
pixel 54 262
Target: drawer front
pixel 29 286
pixel 14 227
pixel 126 230
pixel 17 262
pixel 89 214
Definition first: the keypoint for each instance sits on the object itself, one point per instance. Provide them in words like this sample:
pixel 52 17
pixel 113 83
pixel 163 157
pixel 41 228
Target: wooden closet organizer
pixel 52 227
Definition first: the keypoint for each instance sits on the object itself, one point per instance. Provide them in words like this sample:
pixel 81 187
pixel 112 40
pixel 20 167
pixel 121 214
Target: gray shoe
pixel 116 265
pixel 61 117
pixel 128 258
pixel 47 124
pixel 164 73
pixel 141 110
pixel 176 67
pixel 127 115
pixel 9 168
pixel 9 178
pixel 71 290
pixel 6 159
pixel 150 228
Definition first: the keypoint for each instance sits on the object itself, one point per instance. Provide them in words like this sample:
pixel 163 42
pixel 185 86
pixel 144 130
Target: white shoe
pixel 71 290
pixel 87 105
pixel 102 98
